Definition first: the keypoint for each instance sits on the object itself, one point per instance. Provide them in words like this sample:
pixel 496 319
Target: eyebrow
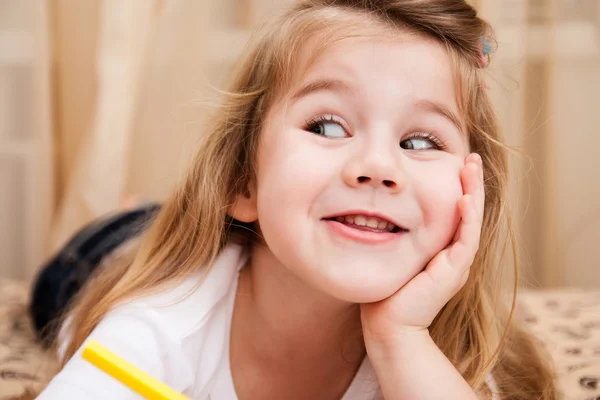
pixel 340 86
pixel 438 108
pixel 332 85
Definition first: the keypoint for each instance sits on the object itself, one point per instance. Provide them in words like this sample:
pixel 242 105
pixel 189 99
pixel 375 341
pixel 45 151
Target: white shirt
pixel 181 340
pixel 179 336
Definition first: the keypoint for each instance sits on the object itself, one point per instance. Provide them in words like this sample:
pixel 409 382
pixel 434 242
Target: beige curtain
pixel 547 75
pixel 26 142
pixel 132 90
pixel 573 184
pixel 510 88
pixel 97 168
pixel 134 82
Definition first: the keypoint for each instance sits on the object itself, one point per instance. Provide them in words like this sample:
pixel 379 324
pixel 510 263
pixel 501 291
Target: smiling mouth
pixel 367 223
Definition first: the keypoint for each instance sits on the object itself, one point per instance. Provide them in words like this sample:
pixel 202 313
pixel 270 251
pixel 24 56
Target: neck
pixel 281 323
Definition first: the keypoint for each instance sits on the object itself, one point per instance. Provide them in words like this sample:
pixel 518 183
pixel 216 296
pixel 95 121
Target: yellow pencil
pixel 126 373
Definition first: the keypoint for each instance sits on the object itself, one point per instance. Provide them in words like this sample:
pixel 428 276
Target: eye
pixel 422 141
pixel 326 125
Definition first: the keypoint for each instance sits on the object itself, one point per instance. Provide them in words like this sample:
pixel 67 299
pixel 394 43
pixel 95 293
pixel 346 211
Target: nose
pixel 375 167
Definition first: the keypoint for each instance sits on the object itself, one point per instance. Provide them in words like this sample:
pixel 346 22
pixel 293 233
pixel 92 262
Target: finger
pixel 469 176
pixel 480 200
pixel 440 280
pixel 472 181
pixel 462 252
pixel 468 179
pixel 459 255
pixel 462 282
pixel 464 278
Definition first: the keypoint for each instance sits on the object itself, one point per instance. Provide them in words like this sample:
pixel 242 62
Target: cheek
pixel 287 172
pixel 290 176
pixel 439 192
pixel 291 172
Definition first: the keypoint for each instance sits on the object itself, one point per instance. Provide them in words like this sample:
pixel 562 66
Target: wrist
pixel 405 337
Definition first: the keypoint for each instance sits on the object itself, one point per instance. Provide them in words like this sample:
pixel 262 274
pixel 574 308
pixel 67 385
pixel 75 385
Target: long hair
pixel 475 329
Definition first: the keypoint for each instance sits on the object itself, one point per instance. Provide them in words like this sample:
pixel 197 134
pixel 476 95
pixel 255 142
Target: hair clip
pixel 484 51
pixel 484 57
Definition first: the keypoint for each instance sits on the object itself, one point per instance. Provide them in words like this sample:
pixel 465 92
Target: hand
pixel 415 305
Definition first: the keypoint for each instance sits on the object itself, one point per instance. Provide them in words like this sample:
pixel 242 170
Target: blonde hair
pixel 475 329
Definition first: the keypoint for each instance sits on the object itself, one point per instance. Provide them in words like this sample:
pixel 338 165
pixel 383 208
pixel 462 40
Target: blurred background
pixel 103 101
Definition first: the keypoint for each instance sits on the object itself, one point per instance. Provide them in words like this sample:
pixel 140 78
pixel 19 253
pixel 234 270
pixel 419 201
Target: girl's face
pixel 358 169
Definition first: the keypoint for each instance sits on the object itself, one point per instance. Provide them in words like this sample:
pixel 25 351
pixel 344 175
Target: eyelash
pixel 321 119
pixel 437 142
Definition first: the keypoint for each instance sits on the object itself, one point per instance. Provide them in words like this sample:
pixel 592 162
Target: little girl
pixel 332 239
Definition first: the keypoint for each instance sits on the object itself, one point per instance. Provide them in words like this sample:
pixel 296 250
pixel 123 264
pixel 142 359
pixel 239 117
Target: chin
pixel 357 278
pixel 362 290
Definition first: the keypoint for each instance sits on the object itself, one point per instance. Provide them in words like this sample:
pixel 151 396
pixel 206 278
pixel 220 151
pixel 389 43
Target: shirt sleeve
pixel 135 336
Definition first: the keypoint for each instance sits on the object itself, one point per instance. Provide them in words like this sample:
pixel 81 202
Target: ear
pixel 244 207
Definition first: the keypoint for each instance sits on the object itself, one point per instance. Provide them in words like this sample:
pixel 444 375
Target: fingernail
pixel 478 159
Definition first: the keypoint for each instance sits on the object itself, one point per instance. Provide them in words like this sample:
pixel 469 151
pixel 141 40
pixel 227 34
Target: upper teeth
pixel 371 222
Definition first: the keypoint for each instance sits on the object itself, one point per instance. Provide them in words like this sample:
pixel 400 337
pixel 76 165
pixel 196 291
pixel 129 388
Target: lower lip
pixel 365 236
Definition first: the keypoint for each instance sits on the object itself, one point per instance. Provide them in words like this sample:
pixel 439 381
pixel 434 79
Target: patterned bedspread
pixel 23 363
pixel 567 321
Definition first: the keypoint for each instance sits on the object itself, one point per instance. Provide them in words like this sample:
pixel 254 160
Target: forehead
pixel 381 62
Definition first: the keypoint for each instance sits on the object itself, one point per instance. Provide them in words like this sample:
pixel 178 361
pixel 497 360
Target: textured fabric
pixel 24 364
pixel 567 321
